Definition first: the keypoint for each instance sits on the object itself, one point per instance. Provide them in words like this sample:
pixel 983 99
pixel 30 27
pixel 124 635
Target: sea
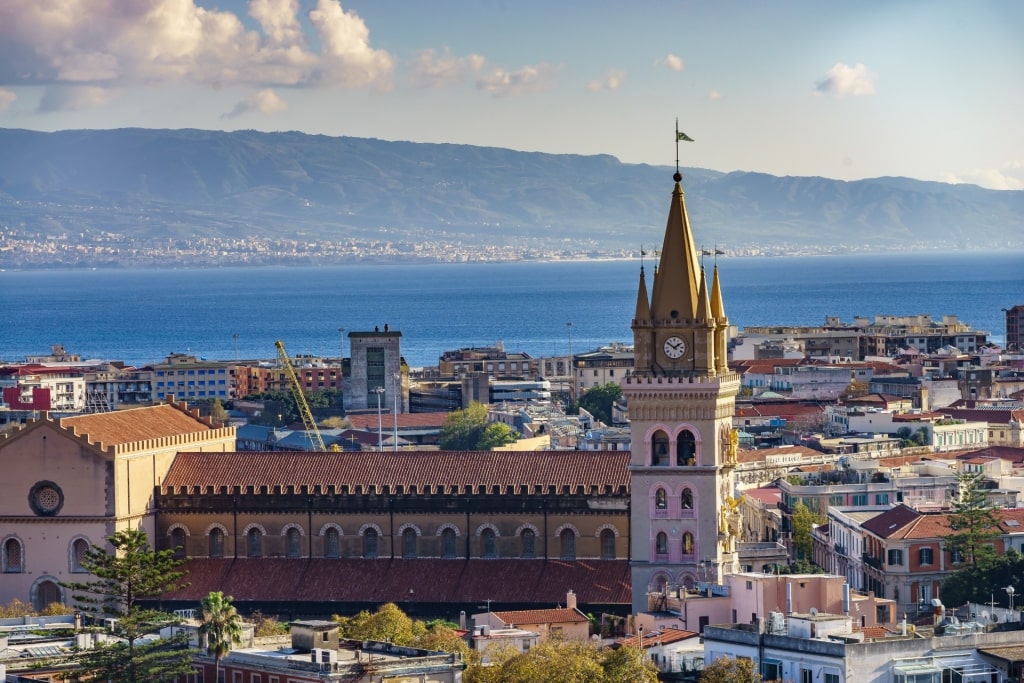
pixel 542 308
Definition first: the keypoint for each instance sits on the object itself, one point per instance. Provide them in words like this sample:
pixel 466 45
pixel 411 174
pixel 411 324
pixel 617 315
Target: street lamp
pixel 572 372
pixel 380 423
pixel 394 424
pixel 1010 592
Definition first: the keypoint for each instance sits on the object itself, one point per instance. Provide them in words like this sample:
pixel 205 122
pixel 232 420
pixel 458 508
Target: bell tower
pixel 681 396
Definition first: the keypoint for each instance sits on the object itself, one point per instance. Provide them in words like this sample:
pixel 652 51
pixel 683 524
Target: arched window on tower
pixel 686 448
pixel 660 499
pixel 688 548
pixel 661 543
pixel 686 499
pixel 659 449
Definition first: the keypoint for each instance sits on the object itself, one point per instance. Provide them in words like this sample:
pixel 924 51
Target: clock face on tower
pixel 674 347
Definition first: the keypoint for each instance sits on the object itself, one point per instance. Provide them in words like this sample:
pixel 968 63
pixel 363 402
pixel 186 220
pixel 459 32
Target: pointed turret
pixel 717 307
pixel 643 308
pixel 675 284
pixel 703 303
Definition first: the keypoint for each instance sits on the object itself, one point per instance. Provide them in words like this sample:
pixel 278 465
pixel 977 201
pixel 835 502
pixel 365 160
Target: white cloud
pixel 715 95
pixel 528 79
pixel 842 80
pixel 428 69
pixel 265 101
pixel 110 43
pixel 6 99
pixel 1010 176
pixel 74 98
pixel 671 62
pixel 611 81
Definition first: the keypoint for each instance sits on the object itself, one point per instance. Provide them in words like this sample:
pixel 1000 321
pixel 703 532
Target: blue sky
pixel 927 89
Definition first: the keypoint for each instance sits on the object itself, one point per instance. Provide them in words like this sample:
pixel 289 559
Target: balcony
pixel 872 561
pixel 840 549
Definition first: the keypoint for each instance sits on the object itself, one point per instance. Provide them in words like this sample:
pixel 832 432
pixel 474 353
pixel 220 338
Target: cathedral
pixel 435 532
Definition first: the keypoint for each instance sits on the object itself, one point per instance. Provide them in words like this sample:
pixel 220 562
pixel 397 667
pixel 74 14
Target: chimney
pixel 789 598
pixel 462 620
pixel 570 600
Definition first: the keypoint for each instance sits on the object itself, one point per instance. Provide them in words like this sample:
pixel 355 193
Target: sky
pixel 928 89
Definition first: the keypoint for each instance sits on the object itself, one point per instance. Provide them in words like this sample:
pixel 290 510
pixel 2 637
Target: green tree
pixel 598 401
pixel 125 577
pixel 217 412
pixel 729 670
pixel 463 428
pixel 496 434
pixel 389 622
pixel 972 520
pixel 221 627
pixel 803 522
pixel 855 389
pixel 557 661
pixel 985 582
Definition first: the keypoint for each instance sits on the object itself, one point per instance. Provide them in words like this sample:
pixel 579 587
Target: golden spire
pixel 675 285
pixel 643 308
pixel 717 307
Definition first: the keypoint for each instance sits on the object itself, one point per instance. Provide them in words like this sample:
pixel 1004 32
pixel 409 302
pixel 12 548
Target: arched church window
pixel 79 547
pixel 178 542
pixel 448 543
pixel 660 499
pixel 293 543
pixel 686 448
pixel 370 544
pixel 13 561
pixel 409 543
pixel 661 543
pixel 332 543
pixel 659 449
pixel 607 544
pixel 216 542
pixel 568 539
pixel 528 539
pixel 255 543
pixel 686 500
pixel 488 544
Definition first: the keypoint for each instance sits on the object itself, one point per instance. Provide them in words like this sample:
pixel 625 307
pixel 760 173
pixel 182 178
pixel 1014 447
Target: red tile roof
pixel 665 636
pixel 448 470
pixel 431 580
pixel 136 424
pixel 768 494
pixel 891 522
pixel 564 615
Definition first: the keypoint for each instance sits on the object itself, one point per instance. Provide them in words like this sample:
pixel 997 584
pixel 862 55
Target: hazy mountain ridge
pixel 252 183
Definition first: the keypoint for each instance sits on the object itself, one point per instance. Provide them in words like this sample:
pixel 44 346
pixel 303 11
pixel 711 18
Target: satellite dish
pixel 814 611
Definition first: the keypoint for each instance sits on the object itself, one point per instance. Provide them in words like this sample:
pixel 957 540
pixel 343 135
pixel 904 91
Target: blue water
pixel 140 316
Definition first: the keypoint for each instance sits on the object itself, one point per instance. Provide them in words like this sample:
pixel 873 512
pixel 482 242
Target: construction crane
pixel 300 398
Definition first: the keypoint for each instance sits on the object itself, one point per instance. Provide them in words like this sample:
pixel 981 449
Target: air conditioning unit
pixel 328 656
pixel 314 655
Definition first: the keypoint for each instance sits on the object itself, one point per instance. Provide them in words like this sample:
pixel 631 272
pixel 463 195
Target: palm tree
pixel 221 627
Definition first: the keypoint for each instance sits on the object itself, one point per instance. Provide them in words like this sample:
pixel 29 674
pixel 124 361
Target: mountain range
pixel 155 184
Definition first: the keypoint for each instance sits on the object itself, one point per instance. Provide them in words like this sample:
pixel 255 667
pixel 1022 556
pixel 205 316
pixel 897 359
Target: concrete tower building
pixel 684 523
pixel 375 371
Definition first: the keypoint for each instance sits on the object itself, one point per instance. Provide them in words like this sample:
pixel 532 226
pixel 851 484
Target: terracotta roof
pixel 1010 453
pixel 760 454
pixel 459 470
pixel 991 416
pixel 874 632
pixel 405 420
pixel 542 582
pixel 665 636
pixel 890 522
pixel 789 410
pixel 768 494
pixel 134 425
pixel 564 615
pixel 937 525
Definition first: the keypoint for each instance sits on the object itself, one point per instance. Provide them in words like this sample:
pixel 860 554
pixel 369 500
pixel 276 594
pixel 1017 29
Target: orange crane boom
pixel 300 398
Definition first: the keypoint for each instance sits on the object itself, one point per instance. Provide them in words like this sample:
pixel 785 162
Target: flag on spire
pixel 683 136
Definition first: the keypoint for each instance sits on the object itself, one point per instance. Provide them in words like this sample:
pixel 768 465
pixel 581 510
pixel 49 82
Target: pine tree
pixel 972 521
pixel 125 577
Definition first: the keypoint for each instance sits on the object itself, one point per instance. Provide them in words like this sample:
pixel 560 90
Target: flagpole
pixel 677 144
